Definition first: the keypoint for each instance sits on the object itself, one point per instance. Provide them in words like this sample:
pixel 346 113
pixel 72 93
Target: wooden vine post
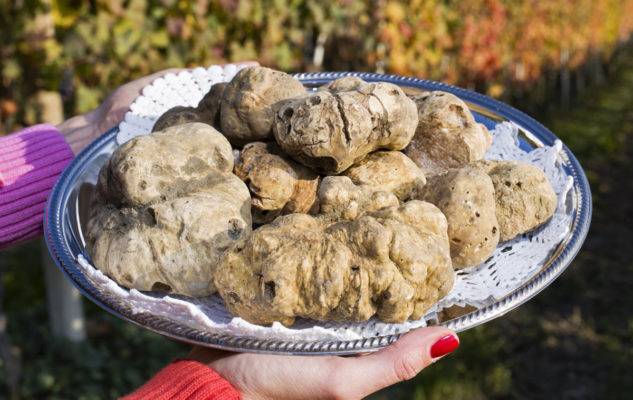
pixel 65 310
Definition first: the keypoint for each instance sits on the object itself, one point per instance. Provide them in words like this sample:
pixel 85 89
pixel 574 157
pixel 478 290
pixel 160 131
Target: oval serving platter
pixel 67 211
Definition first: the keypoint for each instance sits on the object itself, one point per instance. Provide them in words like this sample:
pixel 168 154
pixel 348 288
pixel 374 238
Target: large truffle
pixel 524 196
pixel 163 212
pixel 447 135
pixel 392 263
pixel 330 130
pixel 246 113
pixel 391 171
pixel 278 185
pixel 466 196
pixel 150 166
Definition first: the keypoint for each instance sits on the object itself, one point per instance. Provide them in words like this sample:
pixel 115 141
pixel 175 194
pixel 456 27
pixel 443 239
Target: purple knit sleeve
pixel 30 162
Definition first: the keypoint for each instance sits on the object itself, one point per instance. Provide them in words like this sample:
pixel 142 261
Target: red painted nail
pixel 444 346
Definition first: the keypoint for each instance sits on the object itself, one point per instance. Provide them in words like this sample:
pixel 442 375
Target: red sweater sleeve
pixel 30 162
pixel 185 380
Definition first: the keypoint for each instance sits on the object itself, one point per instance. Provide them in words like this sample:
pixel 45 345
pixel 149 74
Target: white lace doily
pixel 513 263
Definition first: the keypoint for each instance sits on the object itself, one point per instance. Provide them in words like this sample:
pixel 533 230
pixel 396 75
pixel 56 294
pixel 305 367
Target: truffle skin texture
pixel 392 263
pixel 341 199
pixel 391 171
pixel 524 196
pixel 329 131
pixel 466 196
pixel 277 184
pixel 172 245
pixel 246 113
pixel 169 234
pixel 447 135
pixel 150 166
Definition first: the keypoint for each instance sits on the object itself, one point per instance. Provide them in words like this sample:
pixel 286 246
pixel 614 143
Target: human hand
pixel 263 376
pixel 79 131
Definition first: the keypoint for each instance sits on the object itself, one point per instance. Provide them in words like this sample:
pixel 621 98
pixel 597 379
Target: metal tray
pixel 68 207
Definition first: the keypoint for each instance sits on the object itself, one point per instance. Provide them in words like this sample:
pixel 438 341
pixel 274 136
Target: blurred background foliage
pixel 574 340
pixel 84 49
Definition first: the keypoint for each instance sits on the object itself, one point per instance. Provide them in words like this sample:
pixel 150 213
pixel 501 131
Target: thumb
pixel 403 359
pixel 112 111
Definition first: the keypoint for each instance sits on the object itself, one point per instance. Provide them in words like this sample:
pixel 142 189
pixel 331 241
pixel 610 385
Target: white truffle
pixel 447 135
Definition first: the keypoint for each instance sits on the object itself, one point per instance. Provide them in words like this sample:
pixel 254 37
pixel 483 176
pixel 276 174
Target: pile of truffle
pixel 343 203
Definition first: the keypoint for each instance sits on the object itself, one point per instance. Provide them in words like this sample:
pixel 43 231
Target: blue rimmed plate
pixel 67 211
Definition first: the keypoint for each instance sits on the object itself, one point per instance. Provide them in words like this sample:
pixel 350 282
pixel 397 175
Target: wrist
pixel 205 355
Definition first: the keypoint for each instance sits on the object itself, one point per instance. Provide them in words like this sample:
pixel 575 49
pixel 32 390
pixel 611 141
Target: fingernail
pixel 444 346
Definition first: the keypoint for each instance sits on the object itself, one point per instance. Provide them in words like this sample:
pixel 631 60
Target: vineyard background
pixel 569 63
pixel 523 52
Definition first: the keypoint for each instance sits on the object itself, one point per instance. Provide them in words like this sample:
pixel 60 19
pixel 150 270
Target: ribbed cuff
pixel 30 162
pixel 185 380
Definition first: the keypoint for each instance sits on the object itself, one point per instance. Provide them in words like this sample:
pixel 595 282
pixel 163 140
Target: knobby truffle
pixel 466 196
pixel 150 166
pixel 524 196
pixel 341 199
pixel 391 171
pixel 393 263
pixel 330 130
pixel 447 135
pixel 165 208
pixel 246 113
pixel 278 185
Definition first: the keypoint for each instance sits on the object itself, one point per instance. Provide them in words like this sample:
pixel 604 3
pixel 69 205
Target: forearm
pixel 30 162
